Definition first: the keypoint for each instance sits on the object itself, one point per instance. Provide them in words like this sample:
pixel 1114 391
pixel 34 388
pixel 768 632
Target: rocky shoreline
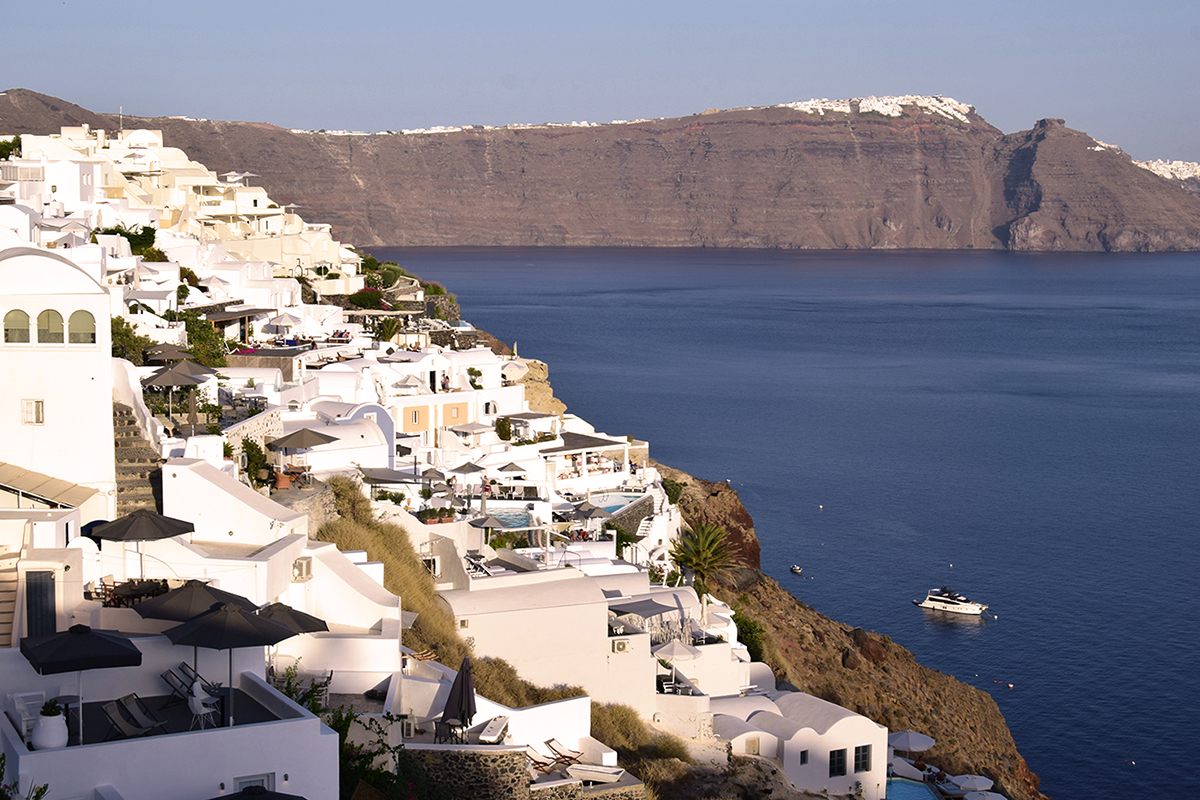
pixel 863 671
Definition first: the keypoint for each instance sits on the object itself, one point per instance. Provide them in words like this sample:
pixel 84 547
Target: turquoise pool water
pixel 612 502
pixel 904 789
pixel 511 517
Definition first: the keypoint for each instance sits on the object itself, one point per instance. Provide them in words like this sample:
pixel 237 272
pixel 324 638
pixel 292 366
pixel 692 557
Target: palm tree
pixel 386 329
pixel 705 551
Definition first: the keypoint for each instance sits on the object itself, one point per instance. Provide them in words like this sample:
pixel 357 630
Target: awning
pixel 225 316
pixel 471 427
pixel 381 475
pixel 43 487
pixel 579 443
pixel 641 608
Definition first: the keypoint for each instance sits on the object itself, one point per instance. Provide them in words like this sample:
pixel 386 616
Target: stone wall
pixel 320 504
pixel 266 424
pixel 558 790
pixel 629 518
pixel 493 774
pixel 621 792
pixel 454 339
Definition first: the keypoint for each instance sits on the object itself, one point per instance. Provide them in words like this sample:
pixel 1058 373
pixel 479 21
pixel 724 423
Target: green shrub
pixel 127 343
pixel 674 489
pixel 640 749
pixel 256 460
pixel 504 429
pixel 369 298
pixel 499 682
pixel 750 634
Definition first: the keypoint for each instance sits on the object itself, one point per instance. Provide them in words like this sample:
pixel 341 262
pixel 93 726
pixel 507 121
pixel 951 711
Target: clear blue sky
pixel 1126 73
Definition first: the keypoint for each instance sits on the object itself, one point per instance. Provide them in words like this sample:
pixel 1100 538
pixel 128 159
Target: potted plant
pixel 50 731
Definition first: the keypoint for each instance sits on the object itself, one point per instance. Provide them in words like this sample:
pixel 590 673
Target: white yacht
pixel 944 599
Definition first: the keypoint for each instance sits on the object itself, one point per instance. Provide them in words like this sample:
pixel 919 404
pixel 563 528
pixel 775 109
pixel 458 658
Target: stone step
pixel 135 490
pixel 135 470
pixel 124 508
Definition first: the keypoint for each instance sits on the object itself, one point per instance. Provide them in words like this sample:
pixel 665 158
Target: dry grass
pixel 403 572
pixel 498 681
pixel 658 759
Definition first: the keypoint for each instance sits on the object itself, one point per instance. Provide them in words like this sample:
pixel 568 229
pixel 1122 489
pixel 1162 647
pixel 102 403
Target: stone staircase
pixel 138 464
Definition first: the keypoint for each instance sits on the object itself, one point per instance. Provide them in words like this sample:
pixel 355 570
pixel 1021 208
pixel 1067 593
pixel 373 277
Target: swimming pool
pixel 904 789
pixel 612 502
pixel 511 517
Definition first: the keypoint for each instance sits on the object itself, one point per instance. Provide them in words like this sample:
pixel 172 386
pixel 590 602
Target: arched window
pixel 16 327
pixel 82 328
pixel 489 407
pixel 50 327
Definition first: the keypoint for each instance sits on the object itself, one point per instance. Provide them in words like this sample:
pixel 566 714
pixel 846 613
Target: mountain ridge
pixel 872 173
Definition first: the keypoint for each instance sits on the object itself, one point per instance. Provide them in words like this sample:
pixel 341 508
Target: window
pixel 16 327
pixel 837 763
pixel 489 407
pixel 33 412
pixel 50 327
pixel 416 417
pixel 803 757
pixel 862 758
pixel 266 781
pixel 463 623
pixel 82 328
pixel 431 564
pixel 454 413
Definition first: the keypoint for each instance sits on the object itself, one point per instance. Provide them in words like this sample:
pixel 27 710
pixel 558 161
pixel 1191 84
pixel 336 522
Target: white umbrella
pixel 910 741
pixel 285 320
pixel 972 783
pixel 675 651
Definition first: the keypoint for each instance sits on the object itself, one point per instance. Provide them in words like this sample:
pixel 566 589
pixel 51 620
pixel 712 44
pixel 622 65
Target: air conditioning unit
pixel 408 728
pixel 302 569
pixel 620 645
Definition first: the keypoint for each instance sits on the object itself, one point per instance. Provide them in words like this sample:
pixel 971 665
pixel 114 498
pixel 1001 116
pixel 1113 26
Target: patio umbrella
pixel 298 621
pixel 675 651
pixel 188 601
pixel 77 649
pixel 460 704
pixel 228 627
pixel 468 469
pixel 142 525
pixel 303 439
pixel 972 783
pixel 259 793
pixel 187 367
pixel 488 523
pixel 169 380
pixel 511 467
pixel 433 473
pixel 910 741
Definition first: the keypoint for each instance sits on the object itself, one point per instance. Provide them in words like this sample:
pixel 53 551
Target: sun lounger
pixel 179 688
pixel 543 764
pixel 121 726
pixel 141 715
pixel 191 676
pixel 564 753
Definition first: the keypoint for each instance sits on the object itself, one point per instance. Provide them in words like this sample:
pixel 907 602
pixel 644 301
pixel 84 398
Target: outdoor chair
pixel 179 688
pixel 447 731
pixel 543 764
pixel 202 712
pixel 191 676
pixel 564 753
pixel 27 706
pixel 141 715
pixel 121 726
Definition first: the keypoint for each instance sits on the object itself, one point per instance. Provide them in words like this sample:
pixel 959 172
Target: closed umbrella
pixel 460 704
pixel 142 525
pixel 229 627
pixel 77 649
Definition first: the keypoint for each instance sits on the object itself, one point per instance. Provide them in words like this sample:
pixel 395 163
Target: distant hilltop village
pixel 170 616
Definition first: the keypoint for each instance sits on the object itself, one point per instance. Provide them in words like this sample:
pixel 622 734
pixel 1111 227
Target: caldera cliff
pixel 910 172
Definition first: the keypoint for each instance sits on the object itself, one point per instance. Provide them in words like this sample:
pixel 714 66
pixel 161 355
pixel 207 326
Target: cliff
pixel 912 172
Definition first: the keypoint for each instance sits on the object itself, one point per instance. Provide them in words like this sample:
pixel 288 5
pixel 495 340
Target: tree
pixel 127 343
pixel 10 147
pixel 705 551
pixel 504 428
pixel 386 329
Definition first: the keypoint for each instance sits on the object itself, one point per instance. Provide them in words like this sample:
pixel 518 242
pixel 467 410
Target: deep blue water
pixel 1023 428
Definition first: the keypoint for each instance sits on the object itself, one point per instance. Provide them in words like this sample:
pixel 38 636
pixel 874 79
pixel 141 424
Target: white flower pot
pixel 49 733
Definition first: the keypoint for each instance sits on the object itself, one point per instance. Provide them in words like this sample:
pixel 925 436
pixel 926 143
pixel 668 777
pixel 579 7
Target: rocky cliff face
pixel 907 173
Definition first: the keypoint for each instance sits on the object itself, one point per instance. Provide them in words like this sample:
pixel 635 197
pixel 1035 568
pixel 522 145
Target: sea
pixel 1024 429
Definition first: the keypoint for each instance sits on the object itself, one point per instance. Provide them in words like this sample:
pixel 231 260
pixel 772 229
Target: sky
pixel 1126 73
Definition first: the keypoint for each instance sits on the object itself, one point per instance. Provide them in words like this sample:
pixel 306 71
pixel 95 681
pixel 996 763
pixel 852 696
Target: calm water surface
pixel 1022 428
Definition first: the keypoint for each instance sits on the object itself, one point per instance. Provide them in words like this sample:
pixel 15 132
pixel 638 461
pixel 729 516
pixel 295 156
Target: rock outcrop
pixel 871 173
pixel 718 504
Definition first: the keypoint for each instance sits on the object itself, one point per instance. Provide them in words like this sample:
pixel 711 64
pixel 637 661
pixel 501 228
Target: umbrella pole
pixel 231 687
pixel 79 693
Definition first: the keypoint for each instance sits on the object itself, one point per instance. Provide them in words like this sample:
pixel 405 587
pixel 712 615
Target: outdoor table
pixel 222 692
pixel 69 701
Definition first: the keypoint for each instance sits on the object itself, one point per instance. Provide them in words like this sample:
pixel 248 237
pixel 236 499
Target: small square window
pixel 454 413
pixel 33 412
pixel 803 757
pixel 266 781
pixel 463 623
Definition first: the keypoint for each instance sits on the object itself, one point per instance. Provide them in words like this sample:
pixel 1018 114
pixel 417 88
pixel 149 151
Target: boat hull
pixel 972 609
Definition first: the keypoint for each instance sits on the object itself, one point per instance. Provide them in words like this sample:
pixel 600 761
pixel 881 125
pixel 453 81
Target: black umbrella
pixel 460 704
pixel 143 525
pixel 259 793
pixel 170 380
pixel 301 440
pixel 187 367
pixel 297 621
pixel 77 649
pixel 189 601
pixel 228 627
